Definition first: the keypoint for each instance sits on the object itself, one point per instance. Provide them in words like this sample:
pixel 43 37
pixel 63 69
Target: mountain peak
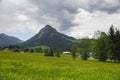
pixel 48 28
pixel 2 34
pixel 49 36
pixel 6 40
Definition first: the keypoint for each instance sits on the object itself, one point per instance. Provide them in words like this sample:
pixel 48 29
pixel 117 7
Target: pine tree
pixel 114 44
pixel 100 49
pixel 111 45
pixel 117 45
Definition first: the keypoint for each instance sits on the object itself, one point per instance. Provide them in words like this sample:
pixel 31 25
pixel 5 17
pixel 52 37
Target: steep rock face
pixel 48 36
pixel 6 40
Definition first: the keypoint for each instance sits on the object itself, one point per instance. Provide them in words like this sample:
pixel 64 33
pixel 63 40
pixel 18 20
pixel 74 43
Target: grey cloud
pixel 59 10
pixel 58 13
pixel 72 5
pixel 63 11
pixel 105 6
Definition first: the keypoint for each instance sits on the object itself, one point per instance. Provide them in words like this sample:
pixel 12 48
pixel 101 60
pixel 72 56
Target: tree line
pixel 17 48
pixel 107 45
pixel 104 46
pixel 47 51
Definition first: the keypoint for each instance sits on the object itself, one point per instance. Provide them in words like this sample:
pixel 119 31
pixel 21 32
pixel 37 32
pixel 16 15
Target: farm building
pixel 66 52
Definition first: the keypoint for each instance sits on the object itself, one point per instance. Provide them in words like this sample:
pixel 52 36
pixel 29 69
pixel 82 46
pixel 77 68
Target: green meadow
pixel 36 66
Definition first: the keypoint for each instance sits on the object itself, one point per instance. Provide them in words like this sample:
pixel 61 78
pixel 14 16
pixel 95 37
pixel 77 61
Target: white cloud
pixel 88 23
pixel 22 17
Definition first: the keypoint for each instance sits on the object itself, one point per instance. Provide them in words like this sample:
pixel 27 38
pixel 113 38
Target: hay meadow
pixel 36 66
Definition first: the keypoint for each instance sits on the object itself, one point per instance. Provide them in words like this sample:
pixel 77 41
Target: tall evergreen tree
pixel 100 50
pixel 114 44
pixel 111 43
pixel 107 45
pixel 117 45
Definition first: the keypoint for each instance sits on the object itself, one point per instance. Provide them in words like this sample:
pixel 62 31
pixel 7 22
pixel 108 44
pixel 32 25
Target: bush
pixel 85 55
pixel 48 52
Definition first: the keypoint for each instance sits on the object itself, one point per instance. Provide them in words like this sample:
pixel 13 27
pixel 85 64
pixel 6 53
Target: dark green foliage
pixel 31 50
pixel 85 48
pixel 53 52
pixel 49 52
pixel 73 52
pixel 117 47
pixel 94 50
pixel 85 55
pixel 14 48
pixel 38 50
pixel 107 45
pixel 114 44
pixel 111 45
pixel 26 50
pixel 82 47
pixel 100 48
pixel 46 52
pixel 73 55
pixel 58 52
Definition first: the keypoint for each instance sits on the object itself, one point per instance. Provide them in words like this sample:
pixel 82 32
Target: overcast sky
pixel 77 18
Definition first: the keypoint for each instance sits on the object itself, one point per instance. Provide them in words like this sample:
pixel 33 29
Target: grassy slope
pixel 28 66
pixel 43 47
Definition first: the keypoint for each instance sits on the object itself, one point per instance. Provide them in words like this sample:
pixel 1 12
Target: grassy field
pixel 35 66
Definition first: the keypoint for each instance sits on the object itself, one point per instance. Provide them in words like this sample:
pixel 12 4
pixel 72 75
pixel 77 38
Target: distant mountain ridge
pixel 49 36
pixel 6 40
